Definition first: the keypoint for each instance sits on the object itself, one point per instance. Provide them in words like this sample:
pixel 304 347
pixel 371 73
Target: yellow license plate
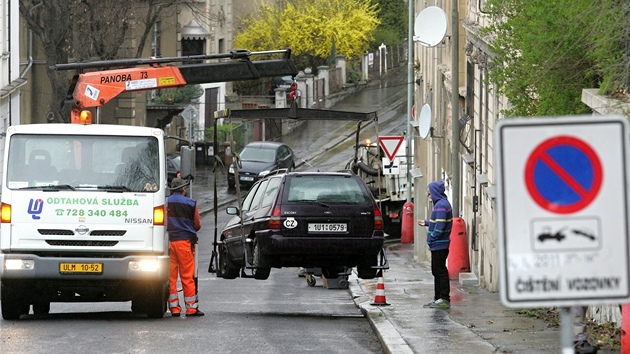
pixel 80 268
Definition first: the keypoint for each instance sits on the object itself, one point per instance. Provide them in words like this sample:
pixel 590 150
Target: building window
pixel 193 47
pixel 221 45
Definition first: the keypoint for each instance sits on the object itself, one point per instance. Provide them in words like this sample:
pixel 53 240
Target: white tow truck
pixel 82 217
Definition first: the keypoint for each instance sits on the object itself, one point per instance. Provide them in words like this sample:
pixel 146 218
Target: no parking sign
pixel 563 222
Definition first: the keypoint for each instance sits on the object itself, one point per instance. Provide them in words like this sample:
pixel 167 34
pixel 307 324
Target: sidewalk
pixel 476 323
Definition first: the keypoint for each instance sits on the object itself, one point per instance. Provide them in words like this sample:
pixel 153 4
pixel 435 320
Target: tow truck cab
pixel 83 217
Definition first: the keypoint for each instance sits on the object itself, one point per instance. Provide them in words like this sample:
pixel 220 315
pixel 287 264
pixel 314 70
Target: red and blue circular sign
pixel 563 174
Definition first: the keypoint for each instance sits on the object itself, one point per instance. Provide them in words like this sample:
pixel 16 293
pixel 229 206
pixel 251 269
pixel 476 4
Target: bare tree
pixel 80 30
pixel 51 23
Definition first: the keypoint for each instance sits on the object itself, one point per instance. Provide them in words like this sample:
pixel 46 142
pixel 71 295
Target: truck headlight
pixel 145 265
pixel 15 264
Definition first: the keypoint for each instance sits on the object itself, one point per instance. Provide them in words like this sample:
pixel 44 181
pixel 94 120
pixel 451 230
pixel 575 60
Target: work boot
pixel 584 347
pixel 196 314
pixel 440 304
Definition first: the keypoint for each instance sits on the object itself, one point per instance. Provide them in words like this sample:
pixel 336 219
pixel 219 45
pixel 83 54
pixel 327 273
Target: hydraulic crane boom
pixel 96 88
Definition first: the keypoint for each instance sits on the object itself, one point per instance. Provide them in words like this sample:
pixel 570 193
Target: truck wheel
pixel 41 308
pixel 26 308
pixel 137 306
pixel 262 264
pixel 156 298
pixel 226 269
pixel 10 302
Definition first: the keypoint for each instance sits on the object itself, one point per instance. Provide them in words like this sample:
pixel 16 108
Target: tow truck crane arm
pixel 94 89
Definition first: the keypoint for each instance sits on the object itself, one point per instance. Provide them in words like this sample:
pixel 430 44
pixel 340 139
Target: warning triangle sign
pixel 390 145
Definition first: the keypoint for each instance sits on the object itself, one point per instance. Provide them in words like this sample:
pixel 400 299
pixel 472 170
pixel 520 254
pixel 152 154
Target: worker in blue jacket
pixel 439 239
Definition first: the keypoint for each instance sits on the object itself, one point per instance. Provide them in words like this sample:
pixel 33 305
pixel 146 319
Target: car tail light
pixel 393 215
pixel 274 221
pixel 378 219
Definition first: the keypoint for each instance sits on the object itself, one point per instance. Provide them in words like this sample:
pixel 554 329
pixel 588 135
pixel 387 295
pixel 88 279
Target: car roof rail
pixel 277 171
pixel 347 171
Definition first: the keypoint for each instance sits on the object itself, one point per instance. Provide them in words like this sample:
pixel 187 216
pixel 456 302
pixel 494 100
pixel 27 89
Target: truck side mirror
pixel 187 156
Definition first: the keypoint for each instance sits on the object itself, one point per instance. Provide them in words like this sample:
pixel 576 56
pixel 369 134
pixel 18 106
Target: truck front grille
pixel 58 232
pixel 82 243
pixel 61 232
pixel 108 233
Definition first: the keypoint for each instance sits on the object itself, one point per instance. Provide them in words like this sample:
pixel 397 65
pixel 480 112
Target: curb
pixel 389 337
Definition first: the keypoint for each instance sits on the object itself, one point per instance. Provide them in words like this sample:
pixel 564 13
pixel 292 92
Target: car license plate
pixel 327 227
pixel 246 179
pixel 81 268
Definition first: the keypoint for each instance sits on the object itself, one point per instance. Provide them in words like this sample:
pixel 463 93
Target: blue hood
pixel 437 191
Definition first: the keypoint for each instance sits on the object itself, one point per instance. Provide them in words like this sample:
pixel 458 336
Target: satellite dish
pixel 430 26
pixel 424 125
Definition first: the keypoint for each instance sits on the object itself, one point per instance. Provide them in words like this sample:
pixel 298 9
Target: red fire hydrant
pixel 406 232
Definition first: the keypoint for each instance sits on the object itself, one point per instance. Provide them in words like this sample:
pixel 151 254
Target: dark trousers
pixel 440 275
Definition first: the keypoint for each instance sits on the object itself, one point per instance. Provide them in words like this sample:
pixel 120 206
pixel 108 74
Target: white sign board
pixel 562 196
pixel 391 167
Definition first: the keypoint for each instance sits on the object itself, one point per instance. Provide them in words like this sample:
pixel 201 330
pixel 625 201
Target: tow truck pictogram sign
pixel 562 202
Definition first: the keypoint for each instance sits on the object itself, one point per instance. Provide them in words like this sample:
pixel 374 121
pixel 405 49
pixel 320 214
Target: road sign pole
pixel 566 331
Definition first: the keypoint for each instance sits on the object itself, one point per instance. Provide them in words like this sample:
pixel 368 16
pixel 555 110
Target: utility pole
pixel 409 98
pixel 455 164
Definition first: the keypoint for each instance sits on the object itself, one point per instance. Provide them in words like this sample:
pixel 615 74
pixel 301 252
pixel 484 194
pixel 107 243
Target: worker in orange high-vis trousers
pixel 183 222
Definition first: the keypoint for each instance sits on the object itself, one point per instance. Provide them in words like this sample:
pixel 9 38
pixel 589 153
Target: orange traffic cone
pixel 379 297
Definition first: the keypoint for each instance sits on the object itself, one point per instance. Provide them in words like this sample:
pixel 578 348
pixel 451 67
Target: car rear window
pixel 258 154
pixel 324 189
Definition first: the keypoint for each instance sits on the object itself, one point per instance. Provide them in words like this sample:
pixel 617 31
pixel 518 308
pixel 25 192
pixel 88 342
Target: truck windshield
pixel 79 162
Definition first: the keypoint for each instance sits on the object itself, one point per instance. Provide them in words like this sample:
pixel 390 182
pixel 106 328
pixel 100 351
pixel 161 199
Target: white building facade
pixel 479 109
pixel 10 75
